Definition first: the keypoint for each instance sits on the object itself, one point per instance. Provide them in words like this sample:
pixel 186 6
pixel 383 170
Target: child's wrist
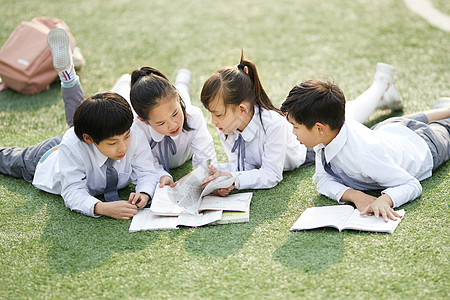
pixel 99 208
pixel 386 199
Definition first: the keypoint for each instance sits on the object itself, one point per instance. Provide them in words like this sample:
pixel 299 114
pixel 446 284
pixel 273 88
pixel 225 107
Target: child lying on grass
pixel 393 157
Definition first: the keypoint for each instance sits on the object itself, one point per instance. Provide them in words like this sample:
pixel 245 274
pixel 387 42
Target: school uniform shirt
pixel 270 148
pixel 392 158
pixel 77 171
pixel 196 143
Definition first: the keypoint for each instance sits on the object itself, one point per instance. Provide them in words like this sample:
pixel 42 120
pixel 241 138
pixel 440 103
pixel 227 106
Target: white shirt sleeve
pixel 146 170
pixel 402 187
pixel 375 166
pixel 74 189
pixel 326 184
pixel 271 171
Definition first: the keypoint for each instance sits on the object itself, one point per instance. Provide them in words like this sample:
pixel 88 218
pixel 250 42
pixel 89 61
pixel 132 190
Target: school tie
pixel 111 182
pixel 168 144
pixel 239 144
pixel 342 177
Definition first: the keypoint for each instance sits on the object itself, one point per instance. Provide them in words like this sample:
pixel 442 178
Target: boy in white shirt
pixel 393 157
pixel 77 165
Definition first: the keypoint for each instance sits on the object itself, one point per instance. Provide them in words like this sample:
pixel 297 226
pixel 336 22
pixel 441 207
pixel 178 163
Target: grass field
pixel 47 251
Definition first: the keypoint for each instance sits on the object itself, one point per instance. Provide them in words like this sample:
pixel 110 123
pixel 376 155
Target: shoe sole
pixel 59 44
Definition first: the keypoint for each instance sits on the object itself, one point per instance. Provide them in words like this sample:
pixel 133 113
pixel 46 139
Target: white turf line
pixel 426 10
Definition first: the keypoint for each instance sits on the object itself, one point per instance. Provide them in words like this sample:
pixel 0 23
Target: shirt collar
pixel 335 146
pixel 100 158
pixel 158 137
pixel 253 126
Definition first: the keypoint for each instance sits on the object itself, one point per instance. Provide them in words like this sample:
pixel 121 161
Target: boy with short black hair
pixel 78 164
pixel 350 157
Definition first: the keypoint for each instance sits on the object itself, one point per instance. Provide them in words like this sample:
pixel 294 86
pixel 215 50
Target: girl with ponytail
pixel 175 131
pixel 256 136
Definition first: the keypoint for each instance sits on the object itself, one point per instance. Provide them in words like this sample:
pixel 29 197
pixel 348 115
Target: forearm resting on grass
pixel 121 210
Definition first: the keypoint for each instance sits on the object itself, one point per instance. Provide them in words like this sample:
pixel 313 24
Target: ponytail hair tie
pixel 240 67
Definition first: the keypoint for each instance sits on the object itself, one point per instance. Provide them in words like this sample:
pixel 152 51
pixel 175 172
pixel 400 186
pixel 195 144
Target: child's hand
pixel 121 210
pixel 360 199
pixel 223 192
pixel 215 174
pixel 166 180
pixel 139 199
pixel 381 206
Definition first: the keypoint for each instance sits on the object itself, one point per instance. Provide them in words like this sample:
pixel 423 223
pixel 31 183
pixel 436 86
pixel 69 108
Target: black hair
pixel 148 86
pixel 102 116
pixel 316 101
pixel 235 86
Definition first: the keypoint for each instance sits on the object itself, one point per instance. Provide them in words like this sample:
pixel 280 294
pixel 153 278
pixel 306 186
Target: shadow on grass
pixel 311 251
pixel 77 243
pixel 266 205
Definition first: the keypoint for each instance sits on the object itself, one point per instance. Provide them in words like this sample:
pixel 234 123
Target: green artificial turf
pixel 47 251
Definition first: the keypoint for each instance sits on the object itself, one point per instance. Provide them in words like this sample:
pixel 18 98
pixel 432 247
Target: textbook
pixel 145 220
pixel 214 210
pixel 344 217
pixel 188 193
pixel 189 204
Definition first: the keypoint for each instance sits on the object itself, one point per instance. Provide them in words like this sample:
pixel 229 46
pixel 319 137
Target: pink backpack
pixel 26 63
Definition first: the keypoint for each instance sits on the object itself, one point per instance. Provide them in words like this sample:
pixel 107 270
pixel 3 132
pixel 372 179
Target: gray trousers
pixel 22 162
pixel 436 134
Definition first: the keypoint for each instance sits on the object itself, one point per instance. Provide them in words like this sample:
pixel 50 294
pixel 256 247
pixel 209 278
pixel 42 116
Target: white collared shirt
pixel 196 143
pixel 77 171
pixel 392 158
pixel 270 149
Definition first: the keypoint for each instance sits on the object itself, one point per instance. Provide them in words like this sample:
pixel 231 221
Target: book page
pixel 323 216
pixel 234 202
pixel 201 219
pixel 371 223
pixel 187 193
pixel 145 220
pixel 221 182
pixel 163 203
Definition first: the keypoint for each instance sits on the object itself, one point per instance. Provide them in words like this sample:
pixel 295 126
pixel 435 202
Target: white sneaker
pixel 443 102
pixel 58 42
pixel 183 77
pixel 182 84
pixel 391 99
pixel 385 73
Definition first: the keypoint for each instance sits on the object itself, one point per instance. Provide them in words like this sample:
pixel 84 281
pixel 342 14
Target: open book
pixel 214 210
pixel 344 217
pixel 188 193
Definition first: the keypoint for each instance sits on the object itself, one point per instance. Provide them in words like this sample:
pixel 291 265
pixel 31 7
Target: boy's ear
pixel 87 138
pixel 142 120
pixel 321 128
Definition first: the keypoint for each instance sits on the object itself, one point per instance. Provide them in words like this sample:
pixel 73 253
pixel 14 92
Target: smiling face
pixel 166 117
pixel 114 147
